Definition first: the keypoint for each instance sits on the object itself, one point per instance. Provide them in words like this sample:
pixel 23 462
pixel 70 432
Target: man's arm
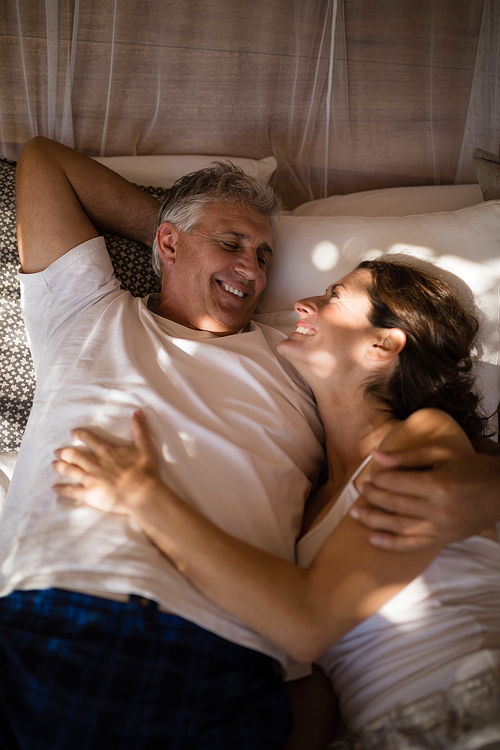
pixel 63 199
pixel 455 495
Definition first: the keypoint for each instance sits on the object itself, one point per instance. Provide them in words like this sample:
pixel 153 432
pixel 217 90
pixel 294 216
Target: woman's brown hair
pixel 435 368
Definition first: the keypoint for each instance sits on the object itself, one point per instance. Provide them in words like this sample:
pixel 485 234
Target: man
pixel 102 643
pixel 217 399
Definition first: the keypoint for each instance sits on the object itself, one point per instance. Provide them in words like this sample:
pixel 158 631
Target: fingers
pixel 424 498
pixel 75 457
pixel 408 523
pixel 387 460
pixel 395 533
pixel 91 440
pixel 389 489
pixel 391 543
pixel 69 491
pixel 98 456
pixel 404 498
pixel 413 459
pixel 70 471
pixel 107 451
pixel 67 466
pixel 101 446
pixel 74 473
pixel 100 470
pixel 394 524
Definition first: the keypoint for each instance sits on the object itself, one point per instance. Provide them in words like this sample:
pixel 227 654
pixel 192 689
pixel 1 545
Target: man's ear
pixel 390 342
pixel 167 237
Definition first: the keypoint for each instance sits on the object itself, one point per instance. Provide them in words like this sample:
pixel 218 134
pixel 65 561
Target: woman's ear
pixel 167 237
pixel 390 342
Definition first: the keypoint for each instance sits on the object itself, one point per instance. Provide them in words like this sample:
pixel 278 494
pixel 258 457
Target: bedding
pixel 311 250
pixel 165 170
pixel 396 201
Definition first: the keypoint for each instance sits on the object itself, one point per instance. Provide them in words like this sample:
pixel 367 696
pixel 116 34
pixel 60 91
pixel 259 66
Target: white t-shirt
pixel 235 428
pixel 441 629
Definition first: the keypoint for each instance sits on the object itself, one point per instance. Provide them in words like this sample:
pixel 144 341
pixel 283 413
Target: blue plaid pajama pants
pixel 79 672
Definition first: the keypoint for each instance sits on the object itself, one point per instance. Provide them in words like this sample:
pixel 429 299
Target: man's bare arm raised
pixel 63 199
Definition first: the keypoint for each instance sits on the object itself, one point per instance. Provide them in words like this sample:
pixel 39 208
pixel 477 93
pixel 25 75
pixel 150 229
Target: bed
pixel 316 243
pixel 377 123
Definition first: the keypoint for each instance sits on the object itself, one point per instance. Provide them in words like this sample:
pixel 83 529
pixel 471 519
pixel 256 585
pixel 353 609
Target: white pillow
pixel 163 171
pixel 312 252
pixel 7 463
pixel 402 201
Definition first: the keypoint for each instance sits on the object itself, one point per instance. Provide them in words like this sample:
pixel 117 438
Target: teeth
pixel 304 330
pixel 233 291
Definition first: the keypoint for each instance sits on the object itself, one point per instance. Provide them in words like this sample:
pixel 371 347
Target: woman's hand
pixel 112 478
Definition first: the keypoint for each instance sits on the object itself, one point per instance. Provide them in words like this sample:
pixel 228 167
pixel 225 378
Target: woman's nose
pixel 305 306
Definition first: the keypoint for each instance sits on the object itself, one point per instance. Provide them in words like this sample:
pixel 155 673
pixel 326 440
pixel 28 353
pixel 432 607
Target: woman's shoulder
pixel 424 427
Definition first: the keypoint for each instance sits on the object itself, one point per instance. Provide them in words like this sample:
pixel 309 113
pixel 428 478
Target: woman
pixel 387 353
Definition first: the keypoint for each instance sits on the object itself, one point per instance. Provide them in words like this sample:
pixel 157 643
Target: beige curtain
pixel 482 128
pixel 347 95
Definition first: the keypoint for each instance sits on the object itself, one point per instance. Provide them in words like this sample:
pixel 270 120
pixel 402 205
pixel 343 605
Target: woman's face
pixel 333 332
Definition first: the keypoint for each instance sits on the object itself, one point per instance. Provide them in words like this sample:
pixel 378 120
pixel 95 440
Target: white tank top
pixel 440 629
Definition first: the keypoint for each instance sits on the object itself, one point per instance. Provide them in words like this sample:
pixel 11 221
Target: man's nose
pixel 247 263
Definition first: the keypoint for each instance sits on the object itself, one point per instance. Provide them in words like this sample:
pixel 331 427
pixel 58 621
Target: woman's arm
pixel 348 581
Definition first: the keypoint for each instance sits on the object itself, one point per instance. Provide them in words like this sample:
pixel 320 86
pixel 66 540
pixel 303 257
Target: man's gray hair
pixel 221 182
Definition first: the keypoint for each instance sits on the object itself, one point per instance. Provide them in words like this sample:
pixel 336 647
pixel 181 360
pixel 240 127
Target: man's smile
pixel 232 289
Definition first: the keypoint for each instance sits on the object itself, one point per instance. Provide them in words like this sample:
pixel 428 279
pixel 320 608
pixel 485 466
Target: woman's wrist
pixel 142 499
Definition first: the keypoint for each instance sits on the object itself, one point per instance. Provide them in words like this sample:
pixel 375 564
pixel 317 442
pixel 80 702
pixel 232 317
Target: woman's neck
pixel 354 426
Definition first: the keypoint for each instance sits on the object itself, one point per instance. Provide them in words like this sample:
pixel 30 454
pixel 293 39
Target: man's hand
pixel 428 494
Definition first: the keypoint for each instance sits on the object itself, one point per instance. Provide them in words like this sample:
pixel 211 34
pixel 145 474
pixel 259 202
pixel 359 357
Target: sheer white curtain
pixel 483 117
pixel 347 96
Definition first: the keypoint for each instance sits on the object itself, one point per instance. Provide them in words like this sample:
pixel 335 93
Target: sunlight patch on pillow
pixel 325 255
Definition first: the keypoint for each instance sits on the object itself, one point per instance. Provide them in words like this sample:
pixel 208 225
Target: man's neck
pixel 177 330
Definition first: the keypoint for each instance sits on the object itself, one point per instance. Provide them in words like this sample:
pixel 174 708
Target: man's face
pixel 213 276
